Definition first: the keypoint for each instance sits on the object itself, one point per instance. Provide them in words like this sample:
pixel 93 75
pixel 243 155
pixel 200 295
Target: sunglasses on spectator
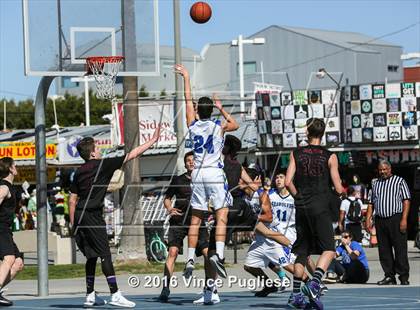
pixel 346 236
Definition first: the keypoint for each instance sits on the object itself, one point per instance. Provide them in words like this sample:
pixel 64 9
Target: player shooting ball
pixel 209 183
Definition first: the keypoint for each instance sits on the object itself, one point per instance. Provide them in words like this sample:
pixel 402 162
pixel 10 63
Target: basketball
pixel 200 12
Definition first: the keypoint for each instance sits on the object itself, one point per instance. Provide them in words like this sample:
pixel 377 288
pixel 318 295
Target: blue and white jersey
pixel 208 141
pixel 254 201
pixel 283 209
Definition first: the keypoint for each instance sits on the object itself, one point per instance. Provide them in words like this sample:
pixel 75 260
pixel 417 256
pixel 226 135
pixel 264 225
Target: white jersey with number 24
pixel 208 142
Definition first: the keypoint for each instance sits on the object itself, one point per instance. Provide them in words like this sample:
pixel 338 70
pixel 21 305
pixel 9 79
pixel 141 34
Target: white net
pixel 105 70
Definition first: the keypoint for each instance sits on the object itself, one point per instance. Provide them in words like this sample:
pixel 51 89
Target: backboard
pixel 60 34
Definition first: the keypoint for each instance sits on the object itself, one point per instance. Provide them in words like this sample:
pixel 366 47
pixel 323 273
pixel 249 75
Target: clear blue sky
pixel 230 18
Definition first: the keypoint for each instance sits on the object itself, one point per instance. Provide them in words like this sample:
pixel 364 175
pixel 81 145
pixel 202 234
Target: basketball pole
pixel 178 93
pixel 41 186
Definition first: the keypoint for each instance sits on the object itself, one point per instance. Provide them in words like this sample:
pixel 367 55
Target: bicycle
pixel 158 249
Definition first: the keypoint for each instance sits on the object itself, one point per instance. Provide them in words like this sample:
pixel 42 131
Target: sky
pixel 230 18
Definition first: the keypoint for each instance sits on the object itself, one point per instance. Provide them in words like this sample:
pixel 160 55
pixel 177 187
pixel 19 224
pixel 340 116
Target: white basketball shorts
pixel 209 186
pixel 260 254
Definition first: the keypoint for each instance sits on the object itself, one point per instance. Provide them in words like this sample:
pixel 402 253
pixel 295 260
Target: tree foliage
pixel 143 93
pixel 70 112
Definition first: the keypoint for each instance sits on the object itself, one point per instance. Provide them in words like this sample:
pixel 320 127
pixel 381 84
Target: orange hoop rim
pixel 104 59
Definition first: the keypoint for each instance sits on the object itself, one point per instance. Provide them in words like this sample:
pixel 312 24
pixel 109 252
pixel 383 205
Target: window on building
pixel 250 67
pixel 168 64
pixel 148 61
pixel 392 68
pixel 67 83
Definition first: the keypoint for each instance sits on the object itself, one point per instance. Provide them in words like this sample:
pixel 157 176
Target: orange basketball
pixel 200 12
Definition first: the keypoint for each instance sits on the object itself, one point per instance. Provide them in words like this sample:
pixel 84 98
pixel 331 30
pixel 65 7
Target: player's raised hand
pixel 180 69
pixel 217 103
pixel 267 184
pixel 156 134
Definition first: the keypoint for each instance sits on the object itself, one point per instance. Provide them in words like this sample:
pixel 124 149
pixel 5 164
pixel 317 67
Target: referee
pixel 390 202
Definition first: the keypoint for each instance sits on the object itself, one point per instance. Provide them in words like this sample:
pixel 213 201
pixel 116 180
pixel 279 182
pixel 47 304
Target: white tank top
pixel 208 141
pixel 283 209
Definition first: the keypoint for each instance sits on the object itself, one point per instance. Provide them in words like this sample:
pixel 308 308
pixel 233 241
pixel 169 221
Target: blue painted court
pixel 360 298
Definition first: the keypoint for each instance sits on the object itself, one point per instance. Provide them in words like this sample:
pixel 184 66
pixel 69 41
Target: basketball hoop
pixel 105 70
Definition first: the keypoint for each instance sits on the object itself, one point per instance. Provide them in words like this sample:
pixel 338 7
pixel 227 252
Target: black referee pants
pixel 390 241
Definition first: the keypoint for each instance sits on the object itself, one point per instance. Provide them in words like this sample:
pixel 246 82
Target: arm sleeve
pixel 404 190
pixel 339 250
pixel 109 165
pixel 372 196
pixel 217 122
pixel 73 187
pixel 355 246
pixel 192 124
pixel 170 192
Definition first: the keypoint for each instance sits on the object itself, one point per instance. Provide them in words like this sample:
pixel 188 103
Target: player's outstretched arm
pixel 145 146
pixel 290 174
pixel 267 216
pixel 180 69
pixel 230 123
pixel 252 184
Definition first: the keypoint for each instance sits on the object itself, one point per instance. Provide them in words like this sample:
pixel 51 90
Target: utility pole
pixel 240 44
pixel 179 106
pixel 4 115
pixel 132 241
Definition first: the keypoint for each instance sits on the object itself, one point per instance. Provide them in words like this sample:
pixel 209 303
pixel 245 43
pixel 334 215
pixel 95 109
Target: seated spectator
pixel 353 267
pixel 351 215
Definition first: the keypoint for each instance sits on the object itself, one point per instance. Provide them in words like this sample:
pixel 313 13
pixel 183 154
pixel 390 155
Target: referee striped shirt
pixel 388 196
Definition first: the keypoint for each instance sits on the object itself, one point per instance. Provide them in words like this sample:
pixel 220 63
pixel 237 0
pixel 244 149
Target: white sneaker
pixel 208 297
pixel 117 299
pixel 93 299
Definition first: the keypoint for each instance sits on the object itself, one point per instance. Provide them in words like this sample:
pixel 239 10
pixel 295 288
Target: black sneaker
pixel 218 265
pixel 267 290
pixel 188 270
pixel 164 295
pixel 324 289
pixel 4 301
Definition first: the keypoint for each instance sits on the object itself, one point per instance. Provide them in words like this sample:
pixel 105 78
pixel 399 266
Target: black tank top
pixel 7 207
pixel 233 170
pixel 312 177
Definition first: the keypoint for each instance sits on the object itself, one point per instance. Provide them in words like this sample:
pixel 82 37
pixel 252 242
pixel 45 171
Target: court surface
pixel 355 298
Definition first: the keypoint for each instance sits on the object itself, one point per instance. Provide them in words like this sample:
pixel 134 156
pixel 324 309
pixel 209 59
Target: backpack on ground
pixel 355 211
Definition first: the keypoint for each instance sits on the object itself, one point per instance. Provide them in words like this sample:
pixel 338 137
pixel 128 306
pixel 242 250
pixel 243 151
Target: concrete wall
pixel 63 248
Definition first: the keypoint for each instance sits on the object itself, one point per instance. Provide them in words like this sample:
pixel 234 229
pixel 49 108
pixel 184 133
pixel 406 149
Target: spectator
pixel 59 207
pixel 32 207
pixel 66 205
pixel 359 187
pixel 390 200
pixel 351 215
pixel 353 267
